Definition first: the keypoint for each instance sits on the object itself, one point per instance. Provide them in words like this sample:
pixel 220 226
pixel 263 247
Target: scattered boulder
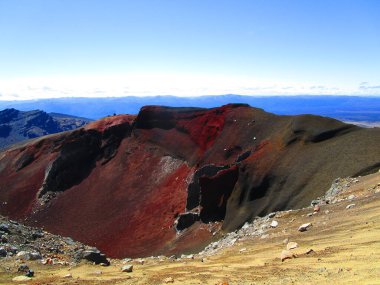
pixel 291 245
pixel 95 256
pixel 12 249
pixel 169 280
pixel 3 252
pixel 350 206
pixel 309 251
pixel 317 208
pixel 23 268
pixel 35 256
pixel 304 227
pixel 37 234
pixel 26 255
pixel 351 197
pixel 3 238
pixel 315 202
pixel 68 276
pixel 29 273
pixel 127 268
pixel 4 228
pixel 286 254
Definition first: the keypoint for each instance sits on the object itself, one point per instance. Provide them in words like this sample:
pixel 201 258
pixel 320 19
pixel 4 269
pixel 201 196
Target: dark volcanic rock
pixel 23 268
pixel 3 252
pixel 215 192
pixel 74 162
pixel 4 228
pixel 78 155
pixel 194 189
pixel 186 220
pixel 94 255
pixel 125 184
pixel 23 242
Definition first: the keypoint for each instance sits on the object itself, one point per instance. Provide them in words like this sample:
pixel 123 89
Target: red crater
pixel 162 181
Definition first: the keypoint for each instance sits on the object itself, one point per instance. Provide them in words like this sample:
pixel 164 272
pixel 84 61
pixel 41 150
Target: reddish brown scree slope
pixel 127 184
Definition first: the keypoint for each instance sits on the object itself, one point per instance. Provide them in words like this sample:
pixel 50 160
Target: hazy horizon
pixel 269 96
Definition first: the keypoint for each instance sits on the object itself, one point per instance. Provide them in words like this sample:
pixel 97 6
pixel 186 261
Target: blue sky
pixel 61 48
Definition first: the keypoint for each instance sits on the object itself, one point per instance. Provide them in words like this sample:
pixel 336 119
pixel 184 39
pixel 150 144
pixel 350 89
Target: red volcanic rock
pixel 151 183
pixel 108 122
pixel 205 128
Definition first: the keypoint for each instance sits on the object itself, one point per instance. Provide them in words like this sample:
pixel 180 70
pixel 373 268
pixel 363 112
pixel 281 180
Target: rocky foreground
pixel 25 245
pixel 335 239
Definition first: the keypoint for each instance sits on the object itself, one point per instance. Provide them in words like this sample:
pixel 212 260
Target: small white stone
pixel 304 227
pixel 274 224
pixel 246 226
pixel 291 245
pixel 127 268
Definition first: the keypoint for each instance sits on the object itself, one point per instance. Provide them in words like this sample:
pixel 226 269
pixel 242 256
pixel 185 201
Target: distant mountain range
pixel 346 108
pixel 16 126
